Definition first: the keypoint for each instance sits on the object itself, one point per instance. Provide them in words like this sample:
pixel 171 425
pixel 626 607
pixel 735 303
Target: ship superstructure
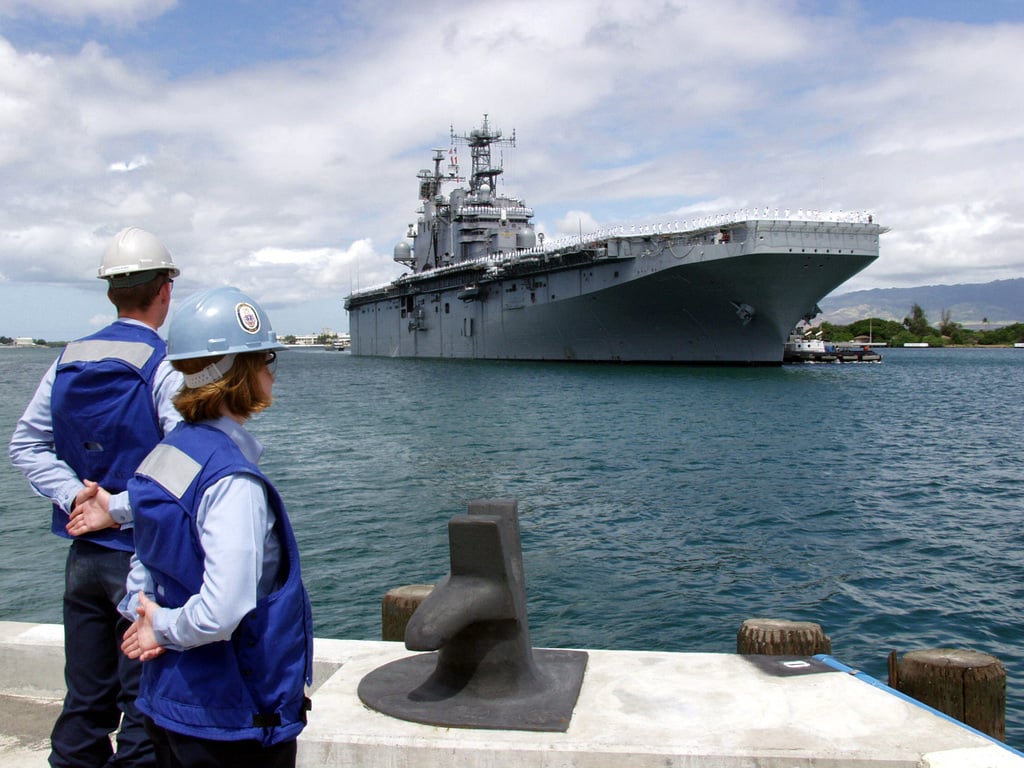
pixel 482 284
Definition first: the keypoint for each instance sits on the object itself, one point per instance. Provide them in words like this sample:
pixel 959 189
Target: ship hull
pixel 680 298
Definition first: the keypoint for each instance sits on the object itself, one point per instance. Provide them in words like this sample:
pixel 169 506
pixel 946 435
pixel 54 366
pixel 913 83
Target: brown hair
pixel 238 390
pixel 137 298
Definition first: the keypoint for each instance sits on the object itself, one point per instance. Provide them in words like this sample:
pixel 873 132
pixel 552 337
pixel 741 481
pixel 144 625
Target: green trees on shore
pixel 916 328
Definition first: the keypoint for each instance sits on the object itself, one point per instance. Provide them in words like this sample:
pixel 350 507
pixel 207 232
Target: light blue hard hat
pixel 219 321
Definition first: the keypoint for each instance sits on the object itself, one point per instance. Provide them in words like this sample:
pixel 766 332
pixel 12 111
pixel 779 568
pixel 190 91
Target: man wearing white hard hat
pixel 100 408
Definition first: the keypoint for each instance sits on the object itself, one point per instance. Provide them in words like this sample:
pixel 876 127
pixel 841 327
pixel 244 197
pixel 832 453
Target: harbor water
pixel 660 506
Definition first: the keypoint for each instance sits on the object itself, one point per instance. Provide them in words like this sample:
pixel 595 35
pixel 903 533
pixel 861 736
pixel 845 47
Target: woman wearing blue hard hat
pixel 221 618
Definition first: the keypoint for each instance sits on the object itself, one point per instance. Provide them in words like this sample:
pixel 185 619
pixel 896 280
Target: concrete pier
pixel 635 709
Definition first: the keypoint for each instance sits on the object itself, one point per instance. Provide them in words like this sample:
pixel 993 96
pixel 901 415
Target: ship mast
pixel 430 183
pixel 480 141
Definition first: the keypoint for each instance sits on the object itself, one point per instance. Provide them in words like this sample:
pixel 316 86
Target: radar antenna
pixel 480 141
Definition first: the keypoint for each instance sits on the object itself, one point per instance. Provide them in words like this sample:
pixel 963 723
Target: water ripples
pixel 660 507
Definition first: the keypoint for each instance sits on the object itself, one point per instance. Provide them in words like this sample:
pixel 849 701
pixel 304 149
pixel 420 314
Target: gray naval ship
pixel 482 284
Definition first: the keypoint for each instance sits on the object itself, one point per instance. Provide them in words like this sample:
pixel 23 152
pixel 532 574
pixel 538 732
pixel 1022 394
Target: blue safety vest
pixel 104 419
pixel 252 685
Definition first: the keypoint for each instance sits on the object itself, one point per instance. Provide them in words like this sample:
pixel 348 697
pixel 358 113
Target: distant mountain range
pixel 973 306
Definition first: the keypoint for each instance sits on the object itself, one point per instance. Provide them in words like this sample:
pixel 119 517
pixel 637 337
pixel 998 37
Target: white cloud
pixel 123 166
pixel 574 224
pixel 294 178
pixel 101 320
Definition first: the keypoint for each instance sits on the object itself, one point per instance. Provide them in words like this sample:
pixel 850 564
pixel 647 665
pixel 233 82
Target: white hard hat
pixel 134 251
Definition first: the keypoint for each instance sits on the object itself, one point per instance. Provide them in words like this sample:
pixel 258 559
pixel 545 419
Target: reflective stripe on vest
pixel 135 353
pixel 171 467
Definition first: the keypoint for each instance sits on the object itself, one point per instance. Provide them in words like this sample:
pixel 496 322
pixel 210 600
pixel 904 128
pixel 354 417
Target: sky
pixel 274 146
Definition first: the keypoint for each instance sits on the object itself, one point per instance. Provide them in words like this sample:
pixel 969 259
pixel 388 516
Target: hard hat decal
pixel 219 321
pixel 248 318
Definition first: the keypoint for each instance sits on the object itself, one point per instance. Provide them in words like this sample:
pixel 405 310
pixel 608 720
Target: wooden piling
pixel 780 637
pixel 397 608
pixel 964 684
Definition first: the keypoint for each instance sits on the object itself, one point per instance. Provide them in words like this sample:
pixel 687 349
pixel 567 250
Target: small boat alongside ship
pixel 800 349
pixel 482 284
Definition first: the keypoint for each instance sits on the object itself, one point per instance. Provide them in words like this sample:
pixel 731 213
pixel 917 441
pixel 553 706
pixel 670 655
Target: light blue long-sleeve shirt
pixel 241 557
pixel 32 451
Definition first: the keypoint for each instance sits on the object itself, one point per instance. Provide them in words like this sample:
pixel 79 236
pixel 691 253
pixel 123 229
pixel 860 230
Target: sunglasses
pixel 271 362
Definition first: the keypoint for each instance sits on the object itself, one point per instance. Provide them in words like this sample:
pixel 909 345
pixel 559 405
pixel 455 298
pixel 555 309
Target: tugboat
pixel 803 350
pixel 800 349
pixel 482 284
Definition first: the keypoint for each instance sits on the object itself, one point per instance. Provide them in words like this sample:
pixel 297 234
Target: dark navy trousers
pixel 102 682
pixel 175 750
